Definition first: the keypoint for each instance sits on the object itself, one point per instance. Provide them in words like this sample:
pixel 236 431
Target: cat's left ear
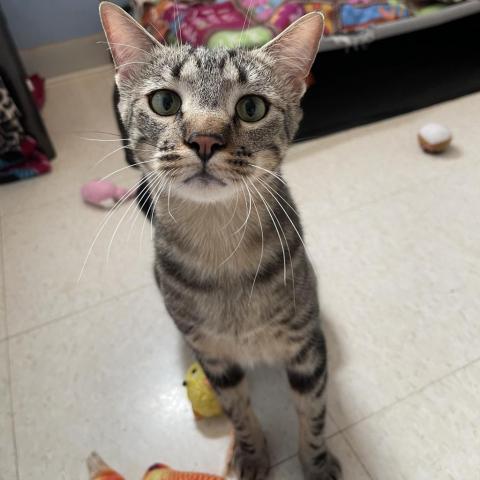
pixel 294 49
pixel 130 44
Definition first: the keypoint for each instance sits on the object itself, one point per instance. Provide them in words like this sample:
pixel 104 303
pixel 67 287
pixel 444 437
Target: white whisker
pixel 130 63
pixel 276 175
pixel 156 197
pixel 168 199
pixel 105 139
pixel 291 221
pixel 122 147
pixel 126 168
pixel 288 250
pixel 176 23
pixel 123 45
pixel 276 229
pixel 124 198
pixel 247 216
pixel 142 196
pixel 278 195
pixel 101 132
pixel 245 20
pixel 157 31
pixel 234 211
pixel 118 225
pixel 244 225
pixel 261 253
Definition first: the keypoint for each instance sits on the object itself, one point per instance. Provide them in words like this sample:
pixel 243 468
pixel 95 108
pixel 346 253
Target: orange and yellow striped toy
pixel 99 470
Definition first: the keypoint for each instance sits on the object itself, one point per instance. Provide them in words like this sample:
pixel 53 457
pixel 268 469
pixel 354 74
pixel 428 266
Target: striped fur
pixel 230 260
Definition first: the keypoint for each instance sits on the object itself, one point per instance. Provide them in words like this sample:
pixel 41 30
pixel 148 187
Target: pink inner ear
pixel 296 47
pixel 129 43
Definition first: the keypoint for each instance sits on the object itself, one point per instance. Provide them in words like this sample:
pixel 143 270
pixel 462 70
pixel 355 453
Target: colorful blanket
pixel 254 22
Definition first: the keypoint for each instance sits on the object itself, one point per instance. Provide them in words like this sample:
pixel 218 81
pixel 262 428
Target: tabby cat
pixel 209 128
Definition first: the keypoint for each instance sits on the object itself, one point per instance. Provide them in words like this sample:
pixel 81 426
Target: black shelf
pixel 13 74
pixel 392 76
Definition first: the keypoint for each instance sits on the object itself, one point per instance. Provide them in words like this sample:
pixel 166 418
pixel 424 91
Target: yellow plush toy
pixel 201 394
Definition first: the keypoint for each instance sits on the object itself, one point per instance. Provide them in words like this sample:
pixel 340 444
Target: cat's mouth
pixel 204 178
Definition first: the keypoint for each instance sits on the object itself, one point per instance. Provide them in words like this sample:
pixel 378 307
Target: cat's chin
pixel 205 192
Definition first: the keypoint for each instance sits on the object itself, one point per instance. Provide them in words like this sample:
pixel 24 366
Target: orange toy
pixel 99 470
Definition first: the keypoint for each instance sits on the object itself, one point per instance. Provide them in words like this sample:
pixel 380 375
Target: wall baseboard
pixel 66 57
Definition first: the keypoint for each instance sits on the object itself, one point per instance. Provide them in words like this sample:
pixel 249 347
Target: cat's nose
pixel 205 145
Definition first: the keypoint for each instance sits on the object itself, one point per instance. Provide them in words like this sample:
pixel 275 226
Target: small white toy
pixel 434 138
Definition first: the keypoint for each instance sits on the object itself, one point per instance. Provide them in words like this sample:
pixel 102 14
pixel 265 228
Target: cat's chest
pixel 234 327
pixel 212 239
pixel 259 345
pixel 226 319
pixel 212 253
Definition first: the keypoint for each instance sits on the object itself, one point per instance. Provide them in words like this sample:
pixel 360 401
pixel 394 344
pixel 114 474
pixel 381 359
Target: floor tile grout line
pixel 390 195
pixel 279 462
pixel 329 217
pixel 356 455
pixel 333 422
pixel 77 312
pixel 411 394
pixel 293 455
pixel 9 362
pixel 12 413
pixel 343 431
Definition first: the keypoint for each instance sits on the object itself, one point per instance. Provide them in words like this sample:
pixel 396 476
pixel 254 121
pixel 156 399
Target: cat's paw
pixel 323 468
pixel 250 463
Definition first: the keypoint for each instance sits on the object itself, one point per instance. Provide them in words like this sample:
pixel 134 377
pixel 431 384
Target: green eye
pixel 251 108
pixel 165 102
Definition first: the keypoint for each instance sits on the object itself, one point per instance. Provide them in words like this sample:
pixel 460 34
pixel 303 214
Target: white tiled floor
pixel 7 445
pixel 3 320
pixel 97 364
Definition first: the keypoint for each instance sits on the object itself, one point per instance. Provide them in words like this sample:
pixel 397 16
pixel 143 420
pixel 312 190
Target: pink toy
pixel 103 193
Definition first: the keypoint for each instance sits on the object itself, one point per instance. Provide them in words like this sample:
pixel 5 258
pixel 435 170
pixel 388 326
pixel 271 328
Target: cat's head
pixel 209 122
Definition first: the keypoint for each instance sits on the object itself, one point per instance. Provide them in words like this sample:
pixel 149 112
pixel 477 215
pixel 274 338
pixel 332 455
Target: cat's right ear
pixel 130 44
pixel 294 50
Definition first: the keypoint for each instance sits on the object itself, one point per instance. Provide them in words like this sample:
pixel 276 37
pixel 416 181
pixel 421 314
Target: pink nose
pixel 205 145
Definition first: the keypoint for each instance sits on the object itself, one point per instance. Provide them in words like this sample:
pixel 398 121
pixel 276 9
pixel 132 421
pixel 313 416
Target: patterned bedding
pixel 251 23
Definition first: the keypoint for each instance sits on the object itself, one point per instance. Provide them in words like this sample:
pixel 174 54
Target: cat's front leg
pixel 307 375
pixel 250 458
